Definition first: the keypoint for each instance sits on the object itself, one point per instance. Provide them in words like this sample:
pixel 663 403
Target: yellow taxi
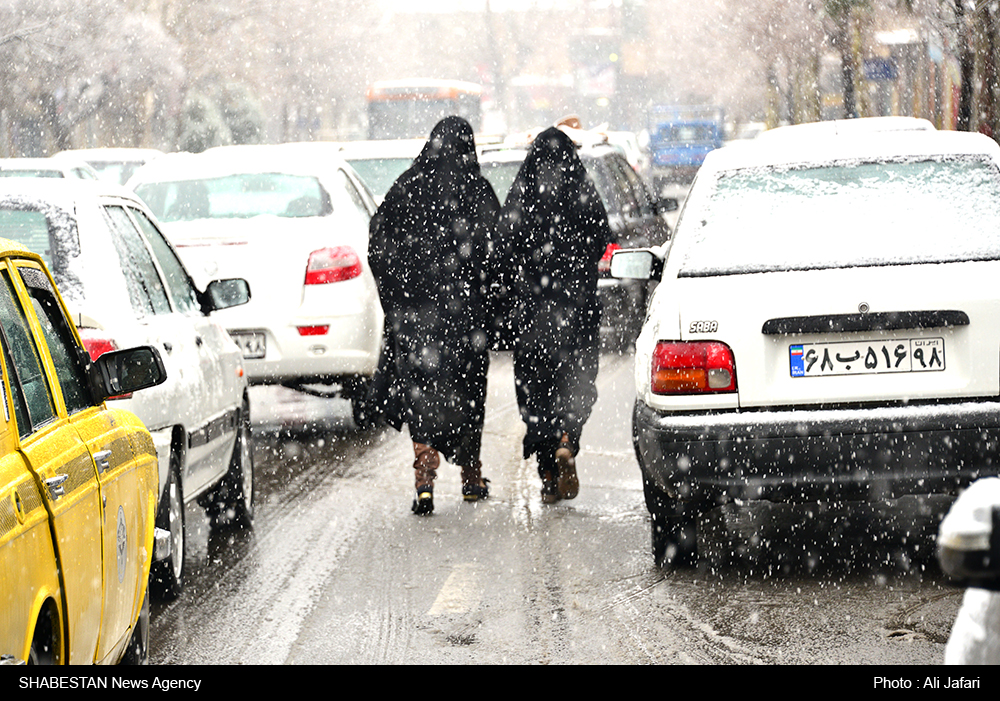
pixel 78 483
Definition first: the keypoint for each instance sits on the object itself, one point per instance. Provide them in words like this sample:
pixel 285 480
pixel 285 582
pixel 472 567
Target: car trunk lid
pixel 895 333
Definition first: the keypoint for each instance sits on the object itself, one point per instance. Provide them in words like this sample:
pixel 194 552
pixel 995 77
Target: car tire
pixel 356 392
pixel 231 504
pixel 166 578
pixel 360 415
pixel 673 528
pixel 137 652
pixel 43 642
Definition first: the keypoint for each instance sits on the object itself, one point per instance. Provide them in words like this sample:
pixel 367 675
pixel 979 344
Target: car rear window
pixel 29 228
pixel 239 196
pixel 380 173
pixel 501 175
pixel 843 214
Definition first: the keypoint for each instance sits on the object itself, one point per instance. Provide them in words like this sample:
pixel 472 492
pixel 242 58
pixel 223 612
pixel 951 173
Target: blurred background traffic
pixel 187 76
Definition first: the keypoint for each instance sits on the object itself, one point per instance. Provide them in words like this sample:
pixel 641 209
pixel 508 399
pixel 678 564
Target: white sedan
pixel 826 327
pixel 379 163
pixel 294 223
pixel 125 286
pixel 67 167
pixel 113 164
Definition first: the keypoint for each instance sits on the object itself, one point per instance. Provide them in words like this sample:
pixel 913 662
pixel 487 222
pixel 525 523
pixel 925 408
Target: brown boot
pixel 425 470
pixel 474 485
pixel 569 483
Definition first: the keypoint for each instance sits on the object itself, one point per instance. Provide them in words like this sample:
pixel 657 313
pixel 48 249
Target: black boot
pixel 549 473
pixel 474 485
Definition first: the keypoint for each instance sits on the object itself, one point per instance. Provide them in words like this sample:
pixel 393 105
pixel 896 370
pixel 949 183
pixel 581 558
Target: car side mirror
pixel 222 294
pixel 636 264
pixel 968 543
pixel 667 204
pixel 121 372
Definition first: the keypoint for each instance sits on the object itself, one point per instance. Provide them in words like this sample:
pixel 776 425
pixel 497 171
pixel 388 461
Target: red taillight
pixel 312 330
pixel 692 368
pixel 96 342
pixel 604 265
pixel 332 265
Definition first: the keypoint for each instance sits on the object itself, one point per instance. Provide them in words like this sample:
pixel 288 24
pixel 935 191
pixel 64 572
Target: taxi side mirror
pixel 122 372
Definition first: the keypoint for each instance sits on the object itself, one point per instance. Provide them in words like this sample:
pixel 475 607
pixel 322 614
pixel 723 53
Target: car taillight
pixel 313 330
pixel 332 265
pixel 96 342
pixel 604 265
pixel 692 368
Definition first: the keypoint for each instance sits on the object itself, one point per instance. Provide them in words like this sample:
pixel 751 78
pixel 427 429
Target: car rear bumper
pixel 349 348
pixel 824 454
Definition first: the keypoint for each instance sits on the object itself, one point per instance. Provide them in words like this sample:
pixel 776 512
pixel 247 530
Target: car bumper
pixel 296 348
pixel 828 454
pixel 347 349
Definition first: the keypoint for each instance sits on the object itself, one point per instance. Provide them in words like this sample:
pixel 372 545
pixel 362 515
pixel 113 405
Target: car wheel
pixel 137 652
pixel 356 392
pixel 232 503
pixel 167 576
pixel 43 643
pixel 673 526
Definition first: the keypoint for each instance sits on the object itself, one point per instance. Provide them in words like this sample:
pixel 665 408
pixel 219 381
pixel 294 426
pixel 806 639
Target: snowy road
pixel 338 571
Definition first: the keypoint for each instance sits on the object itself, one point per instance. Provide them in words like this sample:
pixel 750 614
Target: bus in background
pixel 407 109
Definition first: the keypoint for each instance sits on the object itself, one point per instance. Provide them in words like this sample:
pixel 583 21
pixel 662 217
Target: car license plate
pixel 252 343
pixel 866 357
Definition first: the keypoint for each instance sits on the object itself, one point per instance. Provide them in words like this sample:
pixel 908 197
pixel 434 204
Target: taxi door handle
pixel 55 485
pixel 101 458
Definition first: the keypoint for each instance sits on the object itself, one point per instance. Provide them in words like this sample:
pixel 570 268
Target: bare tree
pixel 63 62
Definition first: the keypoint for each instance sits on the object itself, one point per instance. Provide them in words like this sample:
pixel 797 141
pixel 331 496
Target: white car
pixel 125 286
pixel 113 164
pixel 825 327
pixel 846 127
pixel 380 162
pixel 74 169
pixel 294 223
pixel 969 553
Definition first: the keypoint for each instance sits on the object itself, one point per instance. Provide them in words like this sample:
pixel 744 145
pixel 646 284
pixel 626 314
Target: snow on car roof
pixel 113 154
pixel 60 191
pixel 296 159
pixel 13 248
pixel 857 144
pixel 381 148
pixel 847 127
pixel 45 165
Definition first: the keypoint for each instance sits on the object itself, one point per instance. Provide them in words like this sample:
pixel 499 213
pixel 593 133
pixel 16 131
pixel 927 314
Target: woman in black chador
pixel 428 253
pixel 553 230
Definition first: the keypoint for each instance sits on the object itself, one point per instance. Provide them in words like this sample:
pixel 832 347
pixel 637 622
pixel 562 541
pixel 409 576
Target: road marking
pixel 460 593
